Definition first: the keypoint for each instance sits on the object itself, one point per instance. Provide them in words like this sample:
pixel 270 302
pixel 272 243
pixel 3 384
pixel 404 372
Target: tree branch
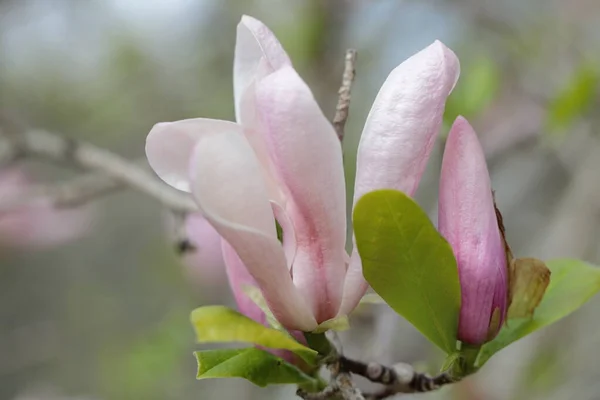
pixel 400 378
pixel 110 171
pixel 343 104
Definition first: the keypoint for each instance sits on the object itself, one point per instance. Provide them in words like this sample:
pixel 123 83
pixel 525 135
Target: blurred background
pixel 103 312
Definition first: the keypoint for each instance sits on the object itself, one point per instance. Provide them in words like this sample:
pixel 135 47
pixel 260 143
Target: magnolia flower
pixel 36 225
pixel 467 219
pixel 281 161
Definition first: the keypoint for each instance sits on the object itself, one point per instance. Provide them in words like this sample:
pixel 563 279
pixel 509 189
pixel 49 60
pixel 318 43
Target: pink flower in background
pixel 36 225
pixel 282 162
pixel 205 262
pixel 467 219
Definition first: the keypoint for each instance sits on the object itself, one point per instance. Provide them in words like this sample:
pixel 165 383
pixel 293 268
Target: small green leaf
pixel 257 297
pixel 257 366
pixel 572 284
pixel 219 324
pixel 409 264
pixel 339 324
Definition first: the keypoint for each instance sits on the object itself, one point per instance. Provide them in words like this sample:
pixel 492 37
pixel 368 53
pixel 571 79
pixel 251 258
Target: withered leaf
pixel 529 278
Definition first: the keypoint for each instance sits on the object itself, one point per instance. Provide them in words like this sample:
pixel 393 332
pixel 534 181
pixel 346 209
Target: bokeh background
pixel 104 316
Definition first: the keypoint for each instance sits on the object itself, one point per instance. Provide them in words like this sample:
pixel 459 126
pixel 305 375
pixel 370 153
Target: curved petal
pixel 404 121
pixel 206 260
pixel 253 42
pixel 239 277
pixel 169 146
pixel 399 133
pixel 467 219
pixel 355 285
pixel 228 187
pixel 307 160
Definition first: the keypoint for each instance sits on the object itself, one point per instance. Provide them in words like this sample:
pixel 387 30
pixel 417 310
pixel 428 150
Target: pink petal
pixel 228 186
pixel 239 278
pixel 253 42
pixel 398 136
pixel 206 260
pixel 169 146
pixel 467 219
pixel 307 162
pixel 355 285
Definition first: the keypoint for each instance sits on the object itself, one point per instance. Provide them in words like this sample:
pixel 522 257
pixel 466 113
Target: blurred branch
pixel 110 171
pixel 343 104
pixel 400 378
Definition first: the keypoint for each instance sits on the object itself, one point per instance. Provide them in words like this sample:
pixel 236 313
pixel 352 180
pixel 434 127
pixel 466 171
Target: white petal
pixel 228 186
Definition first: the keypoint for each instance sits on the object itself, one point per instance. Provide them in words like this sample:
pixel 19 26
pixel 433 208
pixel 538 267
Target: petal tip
pixel 450 61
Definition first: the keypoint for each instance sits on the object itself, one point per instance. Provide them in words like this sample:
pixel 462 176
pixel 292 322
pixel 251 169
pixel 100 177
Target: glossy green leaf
pixel 219 324
pixel 257 366
pixel 572 284
pixel 409 264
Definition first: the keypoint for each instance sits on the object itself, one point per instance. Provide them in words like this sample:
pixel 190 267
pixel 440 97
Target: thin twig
pixel 343 104
pixel 111 170
pixel 183 245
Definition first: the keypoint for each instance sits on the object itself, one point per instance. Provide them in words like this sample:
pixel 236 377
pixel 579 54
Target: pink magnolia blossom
pixel 36 225
pixel 467 219
pixel 281 161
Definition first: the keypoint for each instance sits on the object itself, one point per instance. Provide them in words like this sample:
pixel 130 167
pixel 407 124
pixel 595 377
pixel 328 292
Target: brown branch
pixel 110 171
pixel 343 104
pixel 400 378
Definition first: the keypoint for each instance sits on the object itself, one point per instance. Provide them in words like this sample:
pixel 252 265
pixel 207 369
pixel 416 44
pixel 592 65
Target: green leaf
pixel 574 99
pixel 409 264
pixel 219 324
pixel 572 284
pixel 255 365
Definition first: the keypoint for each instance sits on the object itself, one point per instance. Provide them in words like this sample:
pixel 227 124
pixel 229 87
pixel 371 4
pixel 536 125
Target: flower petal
pixel 169 146
pixel 228 186
pixel 307 162
pixel 254 41
pixel 467 219
pixel 239 278
pixel 404 121
pixel 355 285
pixel 399 134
